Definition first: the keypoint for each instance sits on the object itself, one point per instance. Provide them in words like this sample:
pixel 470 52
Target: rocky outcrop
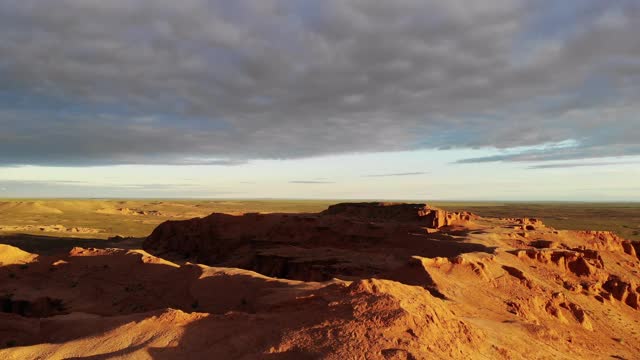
pixel 131 304
pixel 312 246
pixel 430 217
pixel 379 211
pixel 580 263
pixel 625 291
pixel 39 307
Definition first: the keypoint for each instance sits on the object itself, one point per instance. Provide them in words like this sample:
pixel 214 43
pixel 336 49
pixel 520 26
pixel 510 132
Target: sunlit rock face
pixel 313 246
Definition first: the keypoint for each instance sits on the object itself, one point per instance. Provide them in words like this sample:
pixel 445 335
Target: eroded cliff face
pixel 313 247
pixel 420 213
pixel 374 280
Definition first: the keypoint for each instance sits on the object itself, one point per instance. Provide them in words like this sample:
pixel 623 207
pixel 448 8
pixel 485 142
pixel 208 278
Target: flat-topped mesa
pixel 379 210
pixel 295 246
pixel 431 217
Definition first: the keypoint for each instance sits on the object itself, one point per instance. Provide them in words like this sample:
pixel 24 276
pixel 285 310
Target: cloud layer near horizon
pixel 88 82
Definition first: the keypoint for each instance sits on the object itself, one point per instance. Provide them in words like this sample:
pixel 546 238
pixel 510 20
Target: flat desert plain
pixel 64 223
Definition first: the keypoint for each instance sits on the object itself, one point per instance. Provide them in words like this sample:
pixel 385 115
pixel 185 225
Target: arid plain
pixel 166 279
pixel 55 219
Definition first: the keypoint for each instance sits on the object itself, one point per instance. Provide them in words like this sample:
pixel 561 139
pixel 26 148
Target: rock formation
pixel 421 213
pixel 376 281
pixel 314 247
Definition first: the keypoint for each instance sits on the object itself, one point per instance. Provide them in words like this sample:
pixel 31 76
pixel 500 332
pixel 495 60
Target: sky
pixel 339 99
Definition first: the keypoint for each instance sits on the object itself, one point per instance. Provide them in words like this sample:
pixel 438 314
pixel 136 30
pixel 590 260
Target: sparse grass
pixel 623 218
pixel 91 213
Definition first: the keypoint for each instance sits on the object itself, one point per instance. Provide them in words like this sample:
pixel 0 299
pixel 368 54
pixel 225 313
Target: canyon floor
pixel 102 279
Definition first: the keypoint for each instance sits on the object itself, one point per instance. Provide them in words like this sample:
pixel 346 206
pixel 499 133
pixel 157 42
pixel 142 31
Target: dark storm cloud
pixel 86 82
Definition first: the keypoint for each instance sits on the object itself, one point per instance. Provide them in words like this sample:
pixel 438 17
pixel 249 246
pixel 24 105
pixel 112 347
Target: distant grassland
pixel 137 218
pixel 101 219
pixel 623 218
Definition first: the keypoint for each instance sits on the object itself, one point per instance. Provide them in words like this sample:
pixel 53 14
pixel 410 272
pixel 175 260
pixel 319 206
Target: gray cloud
pixel 73 183
pixel 84 189
pixel 573 165
pixel 219 82
pixel 397 174
pixel 574 152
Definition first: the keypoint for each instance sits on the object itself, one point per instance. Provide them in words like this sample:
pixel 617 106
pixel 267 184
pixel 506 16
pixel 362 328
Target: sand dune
pixel 10 255
pixel 27 207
